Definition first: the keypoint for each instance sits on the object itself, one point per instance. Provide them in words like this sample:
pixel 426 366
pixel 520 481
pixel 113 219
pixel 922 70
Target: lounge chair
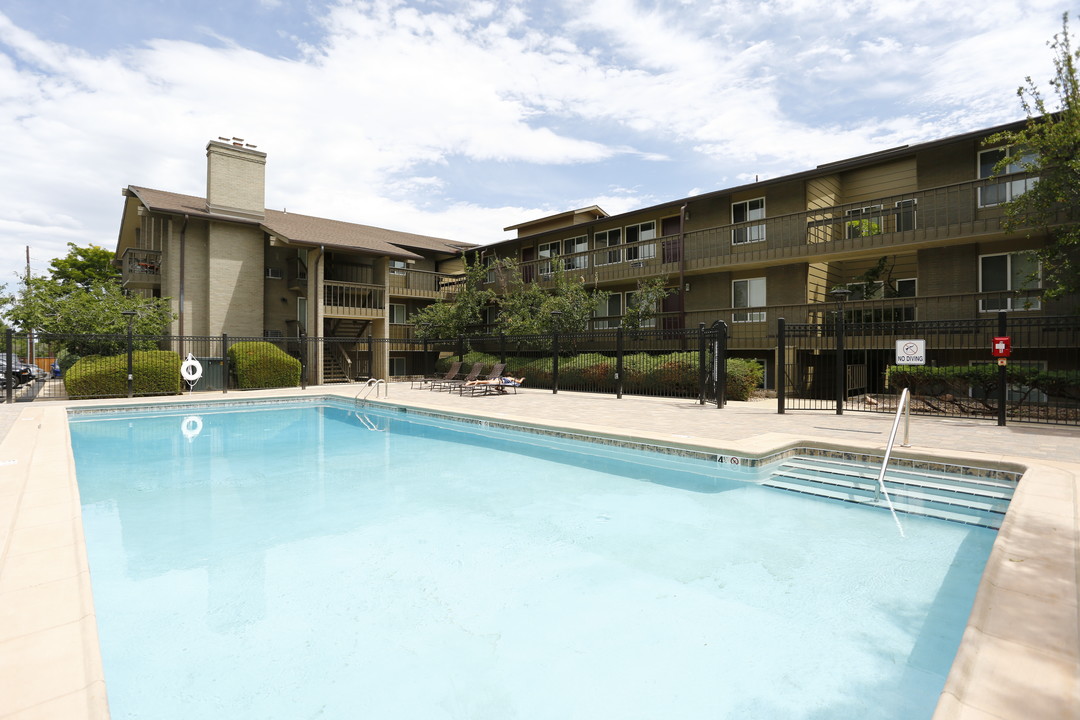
pixel 496 372
pixel 451 384
pixel 451 374
pixel 494 386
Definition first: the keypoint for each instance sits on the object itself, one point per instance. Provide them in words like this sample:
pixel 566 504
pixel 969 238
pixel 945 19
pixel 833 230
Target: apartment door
pixel 528 272
pixel 671 247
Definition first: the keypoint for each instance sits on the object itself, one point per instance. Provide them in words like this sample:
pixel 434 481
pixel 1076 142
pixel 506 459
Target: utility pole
pixel 29 331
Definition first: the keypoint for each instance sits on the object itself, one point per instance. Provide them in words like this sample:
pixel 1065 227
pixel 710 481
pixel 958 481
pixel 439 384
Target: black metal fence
pixel 671 363
pixel 853 366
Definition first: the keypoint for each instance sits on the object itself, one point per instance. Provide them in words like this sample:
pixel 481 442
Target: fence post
pixel 841 367
pixel 781 365
pixel 461 348
pixel 721 364
pixel 425 365
pixel 130 372
pixel 619 344
pixel 502 347
pixel 303 360
pixel 554 361
pixel 702 371
pixel 1003 388
pixel 9 376
pixel 224 363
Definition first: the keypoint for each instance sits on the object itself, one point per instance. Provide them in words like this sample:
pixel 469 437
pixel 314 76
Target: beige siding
pixel 880 181
pixel 235 291
pixel 947 165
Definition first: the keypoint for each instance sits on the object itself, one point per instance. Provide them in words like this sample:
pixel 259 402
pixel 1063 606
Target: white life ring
pixel 191 426
pixel 191 369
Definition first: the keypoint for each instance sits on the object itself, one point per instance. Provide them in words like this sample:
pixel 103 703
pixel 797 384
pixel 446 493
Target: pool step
pixel 969 500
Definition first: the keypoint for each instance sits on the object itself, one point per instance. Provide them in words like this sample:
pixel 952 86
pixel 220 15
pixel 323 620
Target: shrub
pixel 468 360
pixel 155 372
pixel 743 377
pixel 258 364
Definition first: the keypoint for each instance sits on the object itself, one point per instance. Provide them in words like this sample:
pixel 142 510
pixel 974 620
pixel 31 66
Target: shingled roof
pixel 307 230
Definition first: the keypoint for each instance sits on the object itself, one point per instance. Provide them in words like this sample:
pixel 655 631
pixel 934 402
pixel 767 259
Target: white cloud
pixel 380 119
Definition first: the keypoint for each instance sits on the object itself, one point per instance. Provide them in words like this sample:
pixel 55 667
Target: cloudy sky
pixel 457 119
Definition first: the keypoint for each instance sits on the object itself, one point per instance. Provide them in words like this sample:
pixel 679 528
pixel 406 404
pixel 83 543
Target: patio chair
pixel 494 386
pixel 496 372
pixel 451 384
pixel 451 374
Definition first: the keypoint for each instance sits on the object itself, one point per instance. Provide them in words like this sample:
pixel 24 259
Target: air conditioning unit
pixel 273 273
pixel 637 264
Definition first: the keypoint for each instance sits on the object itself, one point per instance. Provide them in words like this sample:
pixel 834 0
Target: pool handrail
pixel 905 401
pixel 372 383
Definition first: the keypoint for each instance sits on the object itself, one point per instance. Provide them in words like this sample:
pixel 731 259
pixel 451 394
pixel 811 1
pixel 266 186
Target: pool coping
pixel 1019 657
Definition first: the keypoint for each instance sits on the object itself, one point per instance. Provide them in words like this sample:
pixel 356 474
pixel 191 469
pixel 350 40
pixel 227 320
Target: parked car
pixel 21 373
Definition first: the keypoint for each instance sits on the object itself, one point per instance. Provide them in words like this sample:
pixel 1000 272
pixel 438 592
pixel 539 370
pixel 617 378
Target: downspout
pixel 682 265
pixel 183 248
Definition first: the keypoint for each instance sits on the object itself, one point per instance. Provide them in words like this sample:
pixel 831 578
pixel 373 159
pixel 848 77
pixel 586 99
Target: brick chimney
pixel 235 179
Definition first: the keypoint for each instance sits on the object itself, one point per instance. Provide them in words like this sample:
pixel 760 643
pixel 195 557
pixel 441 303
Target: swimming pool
pixel 305 559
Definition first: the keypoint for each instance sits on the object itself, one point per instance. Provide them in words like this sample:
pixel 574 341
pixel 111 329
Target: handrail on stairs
pixel 905 405
pixel 372 383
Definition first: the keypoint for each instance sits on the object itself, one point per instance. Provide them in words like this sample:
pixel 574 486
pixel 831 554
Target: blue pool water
pixel 306 562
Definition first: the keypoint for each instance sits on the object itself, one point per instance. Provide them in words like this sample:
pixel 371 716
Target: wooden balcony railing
pixel 868 226
pixel 141 268
pixel 423 283
pixel 341 299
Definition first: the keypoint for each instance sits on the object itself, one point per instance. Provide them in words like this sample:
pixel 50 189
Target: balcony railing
pixel 341 299
pixel 423 283
pixel 922 217
pixel 141 268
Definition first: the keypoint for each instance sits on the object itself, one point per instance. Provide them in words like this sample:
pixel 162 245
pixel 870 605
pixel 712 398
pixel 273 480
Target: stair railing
pixel 375 383
pixel 905 404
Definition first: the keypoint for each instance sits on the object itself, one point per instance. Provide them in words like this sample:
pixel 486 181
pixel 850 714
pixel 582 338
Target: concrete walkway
pixel 1019 659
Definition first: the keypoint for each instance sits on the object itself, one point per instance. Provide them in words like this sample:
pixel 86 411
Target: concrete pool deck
pixel 1020 655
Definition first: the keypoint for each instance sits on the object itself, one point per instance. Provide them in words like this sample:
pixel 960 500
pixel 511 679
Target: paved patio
pixel 1020 657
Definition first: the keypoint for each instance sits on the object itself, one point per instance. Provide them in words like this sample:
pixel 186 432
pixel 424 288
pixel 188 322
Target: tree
pixel 528 309
pixel 83 266
pixel 446 319
pixel 1049 147
pixel 89 314
pixel 642 307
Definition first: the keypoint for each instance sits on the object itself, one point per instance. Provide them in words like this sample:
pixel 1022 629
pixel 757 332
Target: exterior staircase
pixel 959 498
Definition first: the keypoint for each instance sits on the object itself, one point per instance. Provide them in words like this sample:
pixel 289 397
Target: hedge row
pixel 672 374
pixel 983 379
pixel 155 372
pixel 257 364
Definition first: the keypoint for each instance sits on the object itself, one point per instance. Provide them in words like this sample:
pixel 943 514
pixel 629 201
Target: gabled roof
pixel 595 211
pixel 307 230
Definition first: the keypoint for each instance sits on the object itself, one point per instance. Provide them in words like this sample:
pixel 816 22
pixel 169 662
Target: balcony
pixel 926 218
pixel 357 300
pixel 423 284
pixel 141 268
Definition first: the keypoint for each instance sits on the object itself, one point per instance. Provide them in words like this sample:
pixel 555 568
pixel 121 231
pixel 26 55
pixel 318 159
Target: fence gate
pixel 852 367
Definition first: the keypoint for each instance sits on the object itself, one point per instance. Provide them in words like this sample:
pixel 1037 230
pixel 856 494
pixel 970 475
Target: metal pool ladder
pixel 905 409
pixel 372 383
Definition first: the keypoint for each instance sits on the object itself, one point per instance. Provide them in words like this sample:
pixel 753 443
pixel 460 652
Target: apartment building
pixel 230 265
pixel 913 233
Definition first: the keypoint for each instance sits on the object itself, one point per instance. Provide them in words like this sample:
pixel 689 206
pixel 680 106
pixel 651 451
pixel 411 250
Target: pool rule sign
pixel 910 352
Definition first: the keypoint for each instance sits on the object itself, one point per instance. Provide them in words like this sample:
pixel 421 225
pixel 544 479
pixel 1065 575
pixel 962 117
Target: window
pixel 608 312
pixel 610 239
pixel 546 252
pixel 397 314
pixel 489 262
pixel 636 233
pixel 863 222
pixel 748 293
pixel 747 211
pixel 491 315
pixel 905 215
pixel 903 288
pixel 572 246
pixel 1008 272
pixel 397 366
pixel 991 195
pixel 398 267
pixel 273 273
